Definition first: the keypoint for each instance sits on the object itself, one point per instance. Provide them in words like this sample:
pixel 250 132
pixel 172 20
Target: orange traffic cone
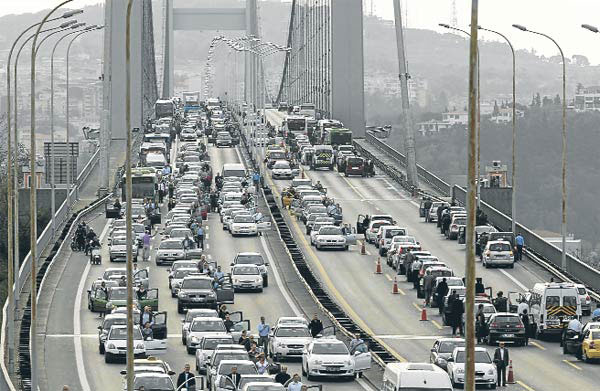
pixel 395 286
pixel 511 375
pixel 363 249
pixel 423 314
pixel 378 267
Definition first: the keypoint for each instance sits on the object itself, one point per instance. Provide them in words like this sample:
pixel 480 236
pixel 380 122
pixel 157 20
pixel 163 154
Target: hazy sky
pixel 560 19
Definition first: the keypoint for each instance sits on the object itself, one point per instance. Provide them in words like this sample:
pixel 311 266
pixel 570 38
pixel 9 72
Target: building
pixel 456 118
pixel 587 99
pixel 504 115
pixel 431 127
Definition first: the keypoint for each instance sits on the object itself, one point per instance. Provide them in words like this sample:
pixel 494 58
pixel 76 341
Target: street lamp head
pixel 67 23
pixel 590 28
pixel 520 27
pixel 78 25
pixel 444 25
pixel 68 14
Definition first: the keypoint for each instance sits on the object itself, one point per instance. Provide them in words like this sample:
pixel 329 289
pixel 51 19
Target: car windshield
pixel 318 209
pixel 120 334
pixel 281 164
pixel 487 309
pixel 118 294
pixel 112 273
pixel 552 301
pixel 207 325
pixel 196 283
pixel 277 155
pixel 245 270
pixel 499 247
pixel 243 219
pixel 263 379
pixel 448 346
pixel 153 383
pixel 292 332
pixel 180 273
pixel 582 291
pixel 570 300
pixel 180 233
pixel 242 369
pixel 461 221
pixel 119 241
pixel 108 323
pixel 330 231
pixel 390 233
pixel 191 314
pixel 503 320
pixel 404 239
pixel 211 343
pixel 481 357
pixel 330 348
pixel 137 211
pixel 454 282
pixel 250 259
pixel 171 245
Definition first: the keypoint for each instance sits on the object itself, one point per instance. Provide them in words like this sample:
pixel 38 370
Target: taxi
pixel 591 345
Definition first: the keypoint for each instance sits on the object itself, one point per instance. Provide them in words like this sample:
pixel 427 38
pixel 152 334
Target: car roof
pixel 498 242
pixel 249 253
pixel 207 318
pixel 198 277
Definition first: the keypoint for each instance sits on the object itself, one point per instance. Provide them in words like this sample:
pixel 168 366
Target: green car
pixel 97 300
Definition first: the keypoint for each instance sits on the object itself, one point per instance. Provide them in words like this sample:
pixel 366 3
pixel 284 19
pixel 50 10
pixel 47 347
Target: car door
pixel 264 225
pixel 159 328
pixel 141 277
pixel 362 357
pixel 151 300
pixel 514 298
pixel 236 330
pixel 350 235
pixel 236 316
pixel 99 300
pixel 225 294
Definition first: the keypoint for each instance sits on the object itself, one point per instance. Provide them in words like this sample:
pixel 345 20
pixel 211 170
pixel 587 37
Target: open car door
pixel 350 235
pixel 224 291
pixel 151 300
pixel 362 357
pixel 141 277
pixel 155 346
pixel 360 228
pixel 236 330
pixel 98 301
pixel 264 224
pixel 514 298
pixel 159 328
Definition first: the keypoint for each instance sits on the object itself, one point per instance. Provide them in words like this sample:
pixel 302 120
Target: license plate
pixel 246 286
pixel 508 335
pixel 330 369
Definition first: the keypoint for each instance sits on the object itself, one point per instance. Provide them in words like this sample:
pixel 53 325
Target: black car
pixel 196 292
pixel 508 327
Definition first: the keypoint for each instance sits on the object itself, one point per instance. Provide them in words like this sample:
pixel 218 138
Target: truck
pixel 308 110
pixel 322 129
pixel 338 136
pixel 191 101
pixel 164 108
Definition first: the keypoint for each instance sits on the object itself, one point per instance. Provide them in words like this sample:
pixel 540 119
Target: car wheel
pixel 101 348
pixel 183 341
pixel 190 350
pixel 266 282
pixel 179 309
pixel 107 358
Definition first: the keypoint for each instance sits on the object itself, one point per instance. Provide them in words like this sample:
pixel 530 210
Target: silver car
pixel 498 253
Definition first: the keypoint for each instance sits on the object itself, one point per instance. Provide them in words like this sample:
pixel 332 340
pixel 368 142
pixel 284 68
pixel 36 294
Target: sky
pixel 560 19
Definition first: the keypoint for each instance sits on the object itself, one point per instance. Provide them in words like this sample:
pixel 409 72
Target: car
pixel 431 273
pixel 115 344
pixel 196 292
pixel 485 370
pixel 385 235
pixel 223 361
pixel 506 327
pixel 330 357
pixel 591 345
pixel 333 237
pixel 206 348
pixel 154 362
pixel 152 381
pixel 185 264
pixel 177 278
pixel 201 327
pixel 195 313
pixel 442 350
pixel 456 221
pixel 109 321
pixel 313 209
pixel 264 381
pixel 397 252
pixel 585 299
pixel 117 249
pixel 498 253
pixel 289 341
pixel 169 251
pixel 246 277
pixel 432 215
pixel 251 258
pixel 291 320
pixel 407 260
pixel 411 376
pixel 450 281
pixel 223 140
pixel 263 386
pixel 243 224
pixel 282 170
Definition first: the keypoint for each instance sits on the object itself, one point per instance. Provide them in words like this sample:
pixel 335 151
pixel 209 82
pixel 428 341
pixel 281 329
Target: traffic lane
pixel 59 351
pixel 528 358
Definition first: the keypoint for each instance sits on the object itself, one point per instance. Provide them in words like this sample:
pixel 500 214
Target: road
pixel 71 338
pixel 395 319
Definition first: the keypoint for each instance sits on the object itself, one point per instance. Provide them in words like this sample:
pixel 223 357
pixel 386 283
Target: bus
pixel 143 183
pixel 191 101
pixel 338 136
pixel 296 123
pixel 164 108
pixel 323 127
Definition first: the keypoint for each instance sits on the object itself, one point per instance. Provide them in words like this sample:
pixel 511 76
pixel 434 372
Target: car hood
pixel 293 340
pixel 119 247
pixel 478 366
pixel 331 359
pixel 329 237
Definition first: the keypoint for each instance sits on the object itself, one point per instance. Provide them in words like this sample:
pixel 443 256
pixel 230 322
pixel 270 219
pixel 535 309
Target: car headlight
pixel 195 339
pixel 281 345
pixel 317 362
pixel 212 294
pixel 490 371
pixel 111 346
pixel 140 346
pixel 460 370
pixel 181 294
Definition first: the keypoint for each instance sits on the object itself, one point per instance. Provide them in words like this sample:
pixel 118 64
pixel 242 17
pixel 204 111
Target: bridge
pixel 57 342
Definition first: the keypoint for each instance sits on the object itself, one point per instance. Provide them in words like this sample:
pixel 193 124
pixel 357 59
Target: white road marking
pixel 364 384
pixel 408 337
pixel 519 284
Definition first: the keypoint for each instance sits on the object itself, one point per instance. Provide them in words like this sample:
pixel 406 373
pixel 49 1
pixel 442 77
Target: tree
pixel 580 60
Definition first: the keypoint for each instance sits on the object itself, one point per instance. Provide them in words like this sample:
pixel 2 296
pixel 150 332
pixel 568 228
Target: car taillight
pixel 519 326
pixel 400 250
pixel 587 298
pixel 454 226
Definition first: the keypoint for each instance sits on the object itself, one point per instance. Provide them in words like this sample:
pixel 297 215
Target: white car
pixel 177 279
pixel 263 386
pixel 117 249
pixel 115 345
pixel 246 277
pixel 202 327
pixel 331 358
pixel 331 236
pixel 243 224
pixel 371 231
pixel 169 251
pixel 498 253
pixel 151 381
pixel 291 320
pixel 289 341
pixel 249 258
pixel 485 370
pixel 282 170
pixel 190 315
pixel 244 367
pixel 206 348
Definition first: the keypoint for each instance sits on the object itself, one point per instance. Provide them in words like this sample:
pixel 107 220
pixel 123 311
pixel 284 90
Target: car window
pixel 118 294
pixel 582 291
pixel 207 325
pixel 292 332
pixel 243 219
pixel 180 273
pixel 499 247
pixel 461 221
pixel 154 383
pixel 552 301
pixel 242 369
pixel 330 231
pixel 119 241
pixel 108 323
pixel 480 357
pixel 330 348
pixel 502 320
pixel 171 245
pixel 448 346
pixel 570 300
pixel 595 334
pixel 245 270
pixel 191 314
pixel 390 233
pixel 254 259
pixel 194 283
pixel 211 343
pixel 120 333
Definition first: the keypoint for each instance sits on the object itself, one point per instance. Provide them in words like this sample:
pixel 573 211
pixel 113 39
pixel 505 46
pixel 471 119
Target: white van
pixel 233 170
pixel 399 376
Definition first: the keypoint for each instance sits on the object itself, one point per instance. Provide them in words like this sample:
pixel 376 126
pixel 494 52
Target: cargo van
pixel 408 376
pixel 233 170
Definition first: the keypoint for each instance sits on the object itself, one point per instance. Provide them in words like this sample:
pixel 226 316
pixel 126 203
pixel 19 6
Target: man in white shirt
pixel 296 384
pixel 522 306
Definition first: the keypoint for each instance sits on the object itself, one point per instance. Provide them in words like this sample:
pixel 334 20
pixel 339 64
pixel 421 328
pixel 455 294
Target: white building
pixel 588 99
pixel 505 115
pixel 456 118
pixel 432 126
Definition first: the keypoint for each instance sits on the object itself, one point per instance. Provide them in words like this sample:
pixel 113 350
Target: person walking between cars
pixel 200 237
pixel 295 384
pixel 186 379
pixel 520 243
pixel 262 365
pixel 525 319
pixel 315 326
pixel 480 325
pixel 457 310
pixel 501 303
pixel 501 359
pixel 146 244
pixel 441 291
pixel 263 334
pixel 283 377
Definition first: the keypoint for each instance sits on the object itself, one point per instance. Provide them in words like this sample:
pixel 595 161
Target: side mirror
pixel 100 328
pixel 266 263
pixel 433 350
pixel 232 264
pixel 356 353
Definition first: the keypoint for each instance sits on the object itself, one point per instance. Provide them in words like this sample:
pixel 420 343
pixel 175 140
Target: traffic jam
pixel 547 311
pixel 176 191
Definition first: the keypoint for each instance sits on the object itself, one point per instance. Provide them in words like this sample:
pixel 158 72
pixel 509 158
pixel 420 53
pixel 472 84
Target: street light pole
pixel 33 209
pixel 513 213
pixel 563 227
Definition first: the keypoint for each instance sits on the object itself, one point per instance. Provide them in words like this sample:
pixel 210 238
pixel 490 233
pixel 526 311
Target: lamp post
pixel 564 144
pixel 33 209
pixel 478 125
pixel 514 131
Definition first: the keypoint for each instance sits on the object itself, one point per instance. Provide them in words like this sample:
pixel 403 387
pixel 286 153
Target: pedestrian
pixel 525 320
pixel 501 359
pixel 187 242
pixel 171 190
pixel 122 282
pixel 186 379
pixel 146 246
pixel 147 316
pixel 523 307
pixel 457 310
pixel 147 331
pixel 245 341
pixel 500 303
pixel 219 274
pixel 263 334
pixel 161 192
pixel 234 377
pixel 479 287
pixel 441 292
pixel 200 237
pixel 223 311
pixel 355 342
pixel 213 201
pixel 141 292
pixel 256 180
pixel 480 325
pixel 445 223
pixel 315 326
pixel 520 243
pixel 282 377
pixel 262 365
pixel 296 384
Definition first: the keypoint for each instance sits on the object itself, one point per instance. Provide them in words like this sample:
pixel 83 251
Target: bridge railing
pixel 43 240
pixel 576 269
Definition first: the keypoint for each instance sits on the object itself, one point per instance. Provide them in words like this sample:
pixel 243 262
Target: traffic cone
pixel 423 314
pixel 363 249
pixel 378 266
pixel 395 286
pixel 511 375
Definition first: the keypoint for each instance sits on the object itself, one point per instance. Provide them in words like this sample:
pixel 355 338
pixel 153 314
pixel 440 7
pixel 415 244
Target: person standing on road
pixel 146 243
pixel 147 316
pixel 263 334
pixel 200 237
pixel 457 310
pixel 520 243
pixel 296 384
pixel 283 377
pixel 262 364
pixel 186 379
pixel 228 323
pixel 500 302
pixel 501 359
pixel 441 292
pixel 315 326
pixel 523 307
pixel 480 324
pixel 525 320
pixel 245 341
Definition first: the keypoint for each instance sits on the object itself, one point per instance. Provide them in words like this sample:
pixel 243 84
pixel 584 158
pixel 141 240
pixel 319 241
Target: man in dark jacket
pixel 315 326
pixel 440 210
pixel 501 303
pixel 282 377
pixel 441 291
pixel 501 359
pixel 445 223
pixel 457 310
pixel 187 379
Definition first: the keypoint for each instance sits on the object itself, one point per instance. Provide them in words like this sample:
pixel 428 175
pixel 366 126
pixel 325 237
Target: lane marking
pixel 388 277
pixel 537 345
pixel 364 384
pixel 525 386
pixel 409 337
pixel 517 282
pixel 417 306
pixel 436 324
pixel 573 365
